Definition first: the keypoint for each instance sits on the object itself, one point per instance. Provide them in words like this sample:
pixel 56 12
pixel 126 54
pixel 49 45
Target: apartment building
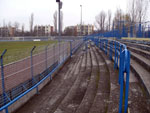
pixel 7 31
pixel 46 30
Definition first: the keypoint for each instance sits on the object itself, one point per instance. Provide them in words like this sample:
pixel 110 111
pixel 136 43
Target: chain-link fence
pixel 20 76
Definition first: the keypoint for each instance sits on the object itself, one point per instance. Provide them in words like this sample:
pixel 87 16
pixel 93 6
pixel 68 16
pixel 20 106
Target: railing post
pixel 106 44
pixel 3 80
pixel 110 50
pixel 121 81
pixel 32 75
pixel 115 55
pixel 102 45
pixel 120 63
pixel 127 59
pixel 118 46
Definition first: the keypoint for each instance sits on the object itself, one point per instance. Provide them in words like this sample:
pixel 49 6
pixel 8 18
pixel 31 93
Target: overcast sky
pixel 20 10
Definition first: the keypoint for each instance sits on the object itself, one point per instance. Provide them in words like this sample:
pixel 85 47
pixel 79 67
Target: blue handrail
pixel 121 61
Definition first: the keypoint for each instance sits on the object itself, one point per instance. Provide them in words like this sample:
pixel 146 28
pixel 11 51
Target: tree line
pixel 136 13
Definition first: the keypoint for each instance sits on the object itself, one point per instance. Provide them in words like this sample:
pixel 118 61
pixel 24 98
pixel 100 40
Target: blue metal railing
pixel 121 61
pixel 35 80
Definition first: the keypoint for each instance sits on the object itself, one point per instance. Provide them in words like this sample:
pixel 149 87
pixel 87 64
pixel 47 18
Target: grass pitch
pixel 19 50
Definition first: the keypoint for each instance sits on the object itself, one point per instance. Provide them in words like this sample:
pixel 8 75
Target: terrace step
pixel 142 74
pixel 137 97
pixel 62 91
pixel 145 54
pixel 76 93
pixel 140 46
pixel 88 99
pixel 113 103
pixel 144 62
pixel 137 42
pixel 103 86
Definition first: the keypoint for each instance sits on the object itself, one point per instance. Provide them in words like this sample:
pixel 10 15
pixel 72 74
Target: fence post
pixel 70 48
pixel 46 56
pixel 59 51
pixel 63 52
pixel 33 80
pixel 3 81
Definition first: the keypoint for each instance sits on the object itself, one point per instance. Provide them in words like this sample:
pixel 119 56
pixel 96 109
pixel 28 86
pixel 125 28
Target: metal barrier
pixel 121 61
pixel 21 77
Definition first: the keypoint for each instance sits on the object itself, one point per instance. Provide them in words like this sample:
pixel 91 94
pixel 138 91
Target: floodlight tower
pixel 59 8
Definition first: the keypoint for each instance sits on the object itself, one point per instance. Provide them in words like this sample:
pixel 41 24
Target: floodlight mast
pixel 59 18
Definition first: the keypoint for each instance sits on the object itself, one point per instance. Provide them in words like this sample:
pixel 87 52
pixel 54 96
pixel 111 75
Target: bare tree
pixel 132 10
pixel 31 21
pixel 118 18
pixel 109 20
pixel 9 24
pixel 16 25
pixel 4 24
pixel 141 7
pixel 100 21
pixel 61 21
pixel 22 28
pixel 55 20
pixel 138 10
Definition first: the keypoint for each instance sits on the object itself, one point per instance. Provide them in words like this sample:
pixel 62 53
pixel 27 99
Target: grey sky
pixel 20 10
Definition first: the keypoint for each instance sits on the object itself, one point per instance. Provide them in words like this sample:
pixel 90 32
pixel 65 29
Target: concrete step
pixel 76 93
pixel 140 46
pixel 63 90
pixel 145 54
pixel 103 83
pixel 113 103
pixel 92 87
pixel 137 97
pixel 144 62
pixel 142 74
pixel 136 41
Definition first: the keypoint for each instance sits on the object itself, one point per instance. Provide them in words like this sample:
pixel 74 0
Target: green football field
pixel 19 50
